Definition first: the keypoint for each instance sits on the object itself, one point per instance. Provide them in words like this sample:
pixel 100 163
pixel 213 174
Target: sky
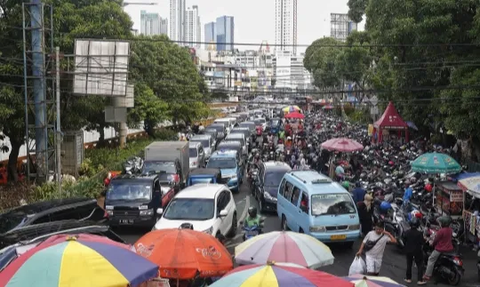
pixel 254 19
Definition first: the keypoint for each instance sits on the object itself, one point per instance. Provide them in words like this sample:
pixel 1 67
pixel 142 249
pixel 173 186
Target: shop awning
pixel 470 182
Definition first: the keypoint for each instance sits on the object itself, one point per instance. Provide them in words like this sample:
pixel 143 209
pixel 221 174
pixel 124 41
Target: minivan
pixel 196 154
pixel 221 129
pixel 229 123
pixel 311 203
pixel 241 138
pixel 207 143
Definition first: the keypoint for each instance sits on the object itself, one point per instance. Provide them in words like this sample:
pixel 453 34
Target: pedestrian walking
pixel 365 214
pixel 374 246
pixel 413 250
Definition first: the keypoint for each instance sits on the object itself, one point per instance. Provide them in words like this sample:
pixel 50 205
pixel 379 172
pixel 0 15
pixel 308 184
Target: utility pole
pixel 39 89
pixel 58 129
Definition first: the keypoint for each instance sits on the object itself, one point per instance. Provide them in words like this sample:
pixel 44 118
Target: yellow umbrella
pixel 291 109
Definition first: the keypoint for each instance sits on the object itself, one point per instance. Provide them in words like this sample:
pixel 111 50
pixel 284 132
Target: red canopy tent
pixel 390 120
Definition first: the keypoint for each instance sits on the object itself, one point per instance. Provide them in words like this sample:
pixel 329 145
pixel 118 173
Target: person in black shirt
pixel 413 249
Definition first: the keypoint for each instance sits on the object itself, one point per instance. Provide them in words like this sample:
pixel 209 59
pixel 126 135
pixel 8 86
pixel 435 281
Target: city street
pixel 394 263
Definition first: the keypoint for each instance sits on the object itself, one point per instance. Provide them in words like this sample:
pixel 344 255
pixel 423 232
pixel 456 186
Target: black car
pixel 48 211
pixel 221 129
pixel 134 199
pixel 28 237
pixel 266 183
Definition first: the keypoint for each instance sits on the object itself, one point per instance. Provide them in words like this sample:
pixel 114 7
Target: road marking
pixel 245 210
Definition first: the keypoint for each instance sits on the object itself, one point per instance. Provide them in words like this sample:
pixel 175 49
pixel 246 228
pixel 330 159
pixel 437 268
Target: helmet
pixel 346 184
pixel 428 187
pixel 391 162
pixel 385 206
pixel 252 211
pixel 358 184
pixel 414 223
pixel 416 214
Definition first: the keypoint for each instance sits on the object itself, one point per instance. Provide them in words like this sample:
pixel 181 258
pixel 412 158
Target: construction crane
pixel 139 3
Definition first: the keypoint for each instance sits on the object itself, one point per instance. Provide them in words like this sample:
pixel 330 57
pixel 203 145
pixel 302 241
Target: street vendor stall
pixel 470 183
pixel 449 199
pixel 389 121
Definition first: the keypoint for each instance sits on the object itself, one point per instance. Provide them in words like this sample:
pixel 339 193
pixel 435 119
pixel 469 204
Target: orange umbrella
pixel 182 253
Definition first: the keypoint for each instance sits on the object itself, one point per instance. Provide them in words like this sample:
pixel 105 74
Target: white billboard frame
pixel 101 67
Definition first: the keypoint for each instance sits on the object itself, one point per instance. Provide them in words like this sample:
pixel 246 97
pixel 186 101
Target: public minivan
pixel 309 202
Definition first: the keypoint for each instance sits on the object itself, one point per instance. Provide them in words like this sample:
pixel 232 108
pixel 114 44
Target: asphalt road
pixel 394 263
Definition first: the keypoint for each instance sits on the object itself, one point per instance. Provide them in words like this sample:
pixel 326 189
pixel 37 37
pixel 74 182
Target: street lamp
pixel 139 3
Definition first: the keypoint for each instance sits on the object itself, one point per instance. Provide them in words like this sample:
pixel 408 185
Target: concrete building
pixel 286 25
pixel 289 72
pixel 177 20
pixel 192 27
pixel 210 36
pixel 225 28
pixel 341 26
pixel 163 26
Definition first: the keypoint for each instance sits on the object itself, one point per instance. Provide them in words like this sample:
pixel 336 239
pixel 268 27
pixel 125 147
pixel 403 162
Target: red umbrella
pixel 342 144
pixel 294 115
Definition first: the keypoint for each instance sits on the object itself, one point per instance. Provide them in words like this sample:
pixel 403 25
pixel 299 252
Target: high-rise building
pixel 341 26
pixel 149 23
pixel 163 26
pixel 177 20
pixel 210 36
pixel 286 25
pixel 192 27
pixel 225 28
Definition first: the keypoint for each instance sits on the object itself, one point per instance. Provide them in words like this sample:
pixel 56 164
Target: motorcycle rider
pixel 358 193
pixel 253 219
pixel 442 244
pixel 413 250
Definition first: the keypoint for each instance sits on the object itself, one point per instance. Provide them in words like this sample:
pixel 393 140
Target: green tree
pixel 72 19
pixel 356 9
pixel 321 60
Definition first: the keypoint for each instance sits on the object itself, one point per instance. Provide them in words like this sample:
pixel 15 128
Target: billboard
pixel 101 67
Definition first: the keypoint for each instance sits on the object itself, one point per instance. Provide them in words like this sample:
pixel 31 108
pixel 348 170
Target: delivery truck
pixel 169 157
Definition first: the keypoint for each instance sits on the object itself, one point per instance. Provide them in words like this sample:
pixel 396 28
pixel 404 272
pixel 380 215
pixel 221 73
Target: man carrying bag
pixel 374 246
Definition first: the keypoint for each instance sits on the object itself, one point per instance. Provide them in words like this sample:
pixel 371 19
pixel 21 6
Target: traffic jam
pixel 258 194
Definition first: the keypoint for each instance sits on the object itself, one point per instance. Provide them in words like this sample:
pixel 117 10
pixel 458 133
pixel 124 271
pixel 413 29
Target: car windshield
pixel 235 138
pixel 201 180
pixel 221 163
pixel 190 209
pixel 11 220
pixel 129 190
pixel 158 166
pixel 273 178
pixel 247 125
pixel 275 122
pixel 332 204
pixel 258 122
pixel 192 152
pixel 218 128
pixel 205 143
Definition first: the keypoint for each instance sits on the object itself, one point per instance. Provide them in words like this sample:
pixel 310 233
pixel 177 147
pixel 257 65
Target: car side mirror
pixel 159 211
pixel 223 213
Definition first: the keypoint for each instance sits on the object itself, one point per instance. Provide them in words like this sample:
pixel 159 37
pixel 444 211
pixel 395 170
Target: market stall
pixel 470 184
pixel 389 122
pixel 449 199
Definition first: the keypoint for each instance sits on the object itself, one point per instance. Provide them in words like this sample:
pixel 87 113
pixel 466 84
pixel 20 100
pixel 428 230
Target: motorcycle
pixel 250 232
pixel 448 267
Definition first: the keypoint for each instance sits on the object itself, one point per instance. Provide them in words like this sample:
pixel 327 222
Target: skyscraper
pixel 192 27
pixel 149 23
pixel 341 26
pixel 225 28
pixel 177 20
pixel 210 35
pixel 163 26
pixel 286 25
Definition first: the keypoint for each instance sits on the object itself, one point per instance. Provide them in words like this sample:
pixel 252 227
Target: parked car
pixel 210 208
pixel 48 211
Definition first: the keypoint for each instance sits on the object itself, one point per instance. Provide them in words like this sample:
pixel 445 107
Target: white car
pixel 208 207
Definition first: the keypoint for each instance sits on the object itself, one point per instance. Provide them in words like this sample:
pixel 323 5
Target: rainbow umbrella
pixel 373 281
pixel 284 246
pixel 78 261
pixel 278 275
pixel 291 109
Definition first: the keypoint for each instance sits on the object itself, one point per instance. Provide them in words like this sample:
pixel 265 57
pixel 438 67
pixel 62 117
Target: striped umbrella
pixel 372 281
pixel 284 246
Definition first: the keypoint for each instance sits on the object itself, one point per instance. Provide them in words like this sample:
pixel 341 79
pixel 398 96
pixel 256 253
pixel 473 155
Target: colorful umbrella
pixel 328 107
pixel 278 275
pixel 294 115
pixel 182 253
pixel 291 109
pixel 342 145
pixel 436 163
pixel 78 261
pixel 373 281
pixel 282 246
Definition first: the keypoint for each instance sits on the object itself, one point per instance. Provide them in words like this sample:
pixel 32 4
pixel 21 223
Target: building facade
pixel 192 27
pixel 225 28
pixel 210 36
pixel 163 26
pixel 286 25
pixel 341 26
pixel 149 23
pixel 177 20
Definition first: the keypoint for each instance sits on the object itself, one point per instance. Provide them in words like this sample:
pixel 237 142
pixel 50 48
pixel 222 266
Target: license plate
pixel 126 221
pixel 338 237
pixel 252 233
